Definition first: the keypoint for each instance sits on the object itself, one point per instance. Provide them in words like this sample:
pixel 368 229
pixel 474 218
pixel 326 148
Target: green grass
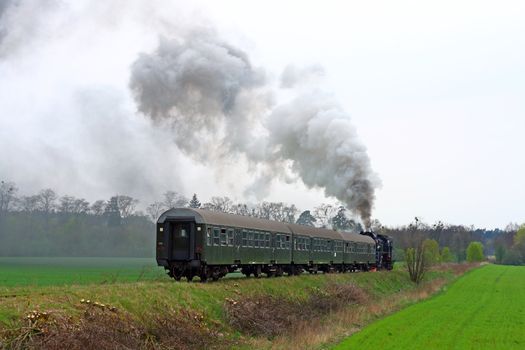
pixel 67 271
pixel 485 309
pixel 56 288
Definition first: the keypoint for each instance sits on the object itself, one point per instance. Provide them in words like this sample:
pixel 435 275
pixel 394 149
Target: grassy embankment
pixel 289 312
pixel 483 310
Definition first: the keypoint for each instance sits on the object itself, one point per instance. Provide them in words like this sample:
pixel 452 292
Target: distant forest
pixel 46 224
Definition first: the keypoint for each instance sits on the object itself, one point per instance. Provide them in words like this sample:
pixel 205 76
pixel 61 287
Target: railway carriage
pixel 197 242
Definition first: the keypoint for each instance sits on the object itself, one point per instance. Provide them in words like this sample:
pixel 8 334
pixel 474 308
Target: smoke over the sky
pixel 214 99
pixel 76 85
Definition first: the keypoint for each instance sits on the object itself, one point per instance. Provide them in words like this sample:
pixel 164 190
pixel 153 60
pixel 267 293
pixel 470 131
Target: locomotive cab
pixel 384 245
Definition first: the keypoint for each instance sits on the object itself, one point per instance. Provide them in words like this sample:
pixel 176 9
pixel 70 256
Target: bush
pixel 446 255
pixel 431 248
pixel 475 252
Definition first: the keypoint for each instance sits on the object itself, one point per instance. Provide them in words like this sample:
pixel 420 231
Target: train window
pixel 268 239
pixel 250 238
pixel 223 236
pixel 280 241
pixel 256 239
pixel 230 237
pixel 244 238
pixel 208 236
pixel 216 236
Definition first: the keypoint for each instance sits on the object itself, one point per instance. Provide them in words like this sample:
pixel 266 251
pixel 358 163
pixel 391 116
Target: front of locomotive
pixel 180 242
pixel 384 250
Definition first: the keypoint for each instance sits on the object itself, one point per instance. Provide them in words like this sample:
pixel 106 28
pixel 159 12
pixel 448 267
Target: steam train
pixel 207 244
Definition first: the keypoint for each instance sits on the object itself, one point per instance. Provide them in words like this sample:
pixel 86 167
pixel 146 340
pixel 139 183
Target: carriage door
pixel 180 233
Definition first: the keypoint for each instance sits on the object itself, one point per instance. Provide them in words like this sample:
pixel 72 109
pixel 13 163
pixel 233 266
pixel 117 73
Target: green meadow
pixel 66 271
pixel 485 309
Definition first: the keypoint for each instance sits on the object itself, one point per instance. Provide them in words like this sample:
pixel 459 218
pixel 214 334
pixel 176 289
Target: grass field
pixel 67 271
pixel 485 309
pixel 151 302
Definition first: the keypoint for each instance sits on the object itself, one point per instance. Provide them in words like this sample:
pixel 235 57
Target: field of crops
pixel 485 309
pixel 67 271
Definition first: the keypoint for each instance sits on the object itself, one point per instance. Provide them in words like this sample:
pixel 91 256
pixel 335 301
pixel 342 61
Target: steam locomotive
pixel 207 244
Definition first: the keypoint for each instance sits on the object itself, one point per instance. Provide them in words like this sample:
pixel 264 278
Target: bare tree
pixel 47 200
pixel 154 210
pixel 29 203
pixel 289 213
pixel 126 205
pixel 7 195
pixel 67 204
pixel 173 199
pixel 241 209
pixel 80 206
pixel 263 210
pixel 277 211
pixel 98 207
pixel 324 213
pixel 222 204
pixel 415 256
pixel 416 262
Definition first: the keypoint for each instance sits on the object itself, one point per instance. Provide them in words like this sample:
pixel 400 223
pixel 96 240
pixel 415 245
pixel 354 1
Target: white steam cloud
pixel 213 98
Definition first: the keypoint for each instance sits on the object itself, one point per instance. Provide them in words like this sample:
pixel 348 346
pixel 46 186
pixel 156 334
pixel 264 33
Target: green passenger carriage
pixel 197 242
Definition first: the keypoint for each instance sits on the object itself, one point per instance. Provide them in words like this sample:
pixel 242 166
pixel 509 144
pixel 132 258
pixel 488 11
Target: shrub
pixel 475 252
pixel 446 255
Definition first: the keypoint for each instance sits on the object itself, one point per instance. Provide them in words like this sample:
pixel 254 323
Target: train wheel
pixel 278 271
pixel 204 274
pixel 257 272
pixel 176 273
pixel 215 274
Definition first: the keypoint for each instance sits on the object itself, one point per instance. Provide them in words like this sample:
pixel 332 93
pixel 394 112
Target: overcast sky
pixel 436 91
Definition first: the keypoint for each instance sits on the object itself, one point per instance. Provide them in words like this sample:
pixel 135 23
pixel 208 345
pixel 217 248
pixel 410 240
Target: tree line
pixel 45 223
